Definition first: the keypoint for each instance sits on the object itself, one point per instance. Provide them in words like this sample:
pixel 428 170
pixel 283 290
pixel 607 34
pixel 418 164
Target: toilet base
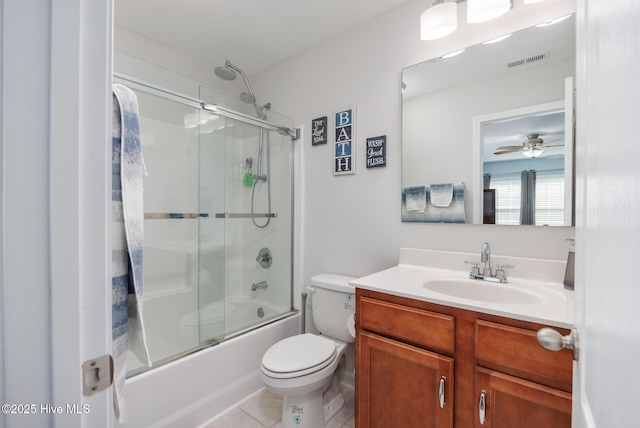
pixel 307 410
pixel 314 409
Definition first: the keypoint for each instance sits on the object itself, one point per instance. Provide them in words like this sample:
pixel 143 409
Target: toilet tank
pixel 333 301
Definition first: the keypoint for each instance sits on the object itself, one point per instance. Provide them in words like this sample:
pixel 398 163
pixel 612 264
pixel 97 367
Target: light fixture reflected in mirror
pixel 553 21
pixel 533 152
pixel 532 1
pixel 440 20
pixel 452 54
pixel 485 10
pixel 497 39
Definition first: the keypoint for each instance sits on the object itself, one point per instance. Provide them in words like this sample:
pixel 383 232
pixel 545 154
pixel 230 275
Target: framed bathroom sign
pixel 376 151
pixel 319 131
pixel 344 149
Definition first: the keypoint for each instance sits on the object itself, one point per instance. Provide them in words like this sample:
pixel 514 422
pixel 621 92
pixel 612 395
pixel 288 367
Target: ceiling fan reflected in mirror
pixel 532 147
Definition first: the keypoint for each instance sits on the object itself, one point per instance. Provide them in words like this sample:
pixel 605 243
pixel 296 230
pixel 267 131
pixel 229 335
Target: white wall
pixel 352 223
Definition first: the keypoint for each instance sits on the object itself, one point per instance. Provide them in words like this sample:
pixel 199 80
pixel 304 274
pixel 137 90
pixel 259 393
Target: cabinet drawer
pixel 428 329
pixel 518 349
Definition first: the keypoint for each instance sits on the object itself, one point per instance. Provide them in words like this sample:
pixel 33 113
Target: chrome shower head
pixel 248 98
pixel 226 72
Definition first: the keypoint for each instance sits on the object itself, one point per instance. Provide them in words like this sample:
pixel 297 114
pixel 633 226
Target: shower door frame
pixel 293 133
pixel 140 85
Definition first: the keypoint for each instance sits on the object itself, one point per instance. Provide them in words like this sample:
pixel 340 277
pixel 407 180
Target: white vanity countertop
pixel 552 305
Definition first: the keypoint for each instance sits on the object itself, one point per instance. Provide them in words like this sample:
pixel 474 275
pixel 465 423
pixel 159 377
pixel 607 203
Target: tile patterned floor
pixel 264 410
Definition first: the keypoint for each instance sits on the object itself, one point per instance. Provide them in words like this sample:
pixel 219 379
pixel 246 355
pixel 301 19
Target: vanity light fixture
pixel 440 20
pixel 485 10
pixel 532 1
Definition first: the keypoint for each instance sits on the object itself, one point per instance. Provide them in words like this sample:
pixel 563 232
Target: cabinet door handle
pixel 481 407
pixel 441 392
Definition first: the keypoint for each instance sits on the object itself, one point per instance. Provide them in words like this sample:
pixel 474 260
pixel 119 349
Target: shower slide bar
pixel 140 85
pixel 162 216
pixel 173 216
pixel 246 215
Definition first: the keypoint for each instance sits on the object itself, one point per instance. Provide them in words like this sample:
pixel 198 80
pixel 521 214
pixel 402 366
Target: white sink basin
pixel 482 291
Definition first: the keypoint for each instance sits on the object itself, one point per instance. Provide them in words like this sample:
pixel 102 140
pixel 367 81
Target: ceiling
pixel 252 34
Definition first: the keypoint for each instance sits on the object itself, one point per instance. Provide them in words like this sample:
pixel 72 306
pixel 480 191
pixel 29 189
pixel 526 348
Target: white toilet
pixel 306 369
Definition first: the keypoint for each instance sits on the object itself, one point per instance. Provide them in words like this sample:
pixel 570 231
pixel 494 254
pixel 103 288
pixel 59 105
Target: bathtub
pixel 229 318
pixel 193 389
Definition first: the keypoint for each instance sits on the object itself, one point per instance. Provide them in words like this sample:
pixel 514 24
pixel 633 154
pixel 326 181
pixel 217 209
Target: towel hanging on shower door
pixel 127 238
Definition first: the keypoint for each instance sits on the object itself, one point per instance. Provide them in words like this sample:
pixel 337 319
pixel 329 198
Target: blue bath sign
pixel 344 153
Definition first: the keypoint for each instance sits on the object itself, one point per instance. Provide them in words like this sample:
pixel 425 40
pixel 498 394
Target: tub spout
pixel 260 285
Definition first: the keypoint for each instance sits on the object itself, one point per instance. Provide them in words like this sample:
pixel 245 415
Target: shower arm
pixel 244 76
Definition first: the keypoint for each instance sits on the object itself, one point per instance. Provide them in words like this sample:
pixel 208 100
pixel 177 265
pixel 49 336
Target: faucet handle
pixel 474 267
pixel 500 271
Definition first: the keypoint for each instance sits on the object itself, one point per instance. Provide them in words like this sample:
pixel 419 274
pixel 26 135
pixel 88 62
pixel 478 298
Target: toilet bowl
pixel 307 369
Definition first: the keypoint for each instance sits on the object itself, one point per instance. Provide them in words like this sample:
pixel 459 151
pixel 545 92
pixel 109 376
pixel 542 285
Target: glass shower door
pixel 172 228
pixel 256 219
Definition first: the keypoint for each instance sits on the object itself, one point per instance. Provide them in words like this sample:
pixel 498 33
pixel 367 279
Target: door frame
pixel 55 209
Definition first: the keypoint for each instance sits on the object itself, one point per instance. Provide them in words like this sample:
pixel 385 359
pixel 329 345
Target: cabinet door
pixel 513 402
pixel 400 385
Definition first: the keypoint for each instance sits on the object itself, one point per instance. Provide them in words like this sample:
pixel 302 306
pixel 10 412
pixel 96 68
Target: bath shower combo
pixel 211 289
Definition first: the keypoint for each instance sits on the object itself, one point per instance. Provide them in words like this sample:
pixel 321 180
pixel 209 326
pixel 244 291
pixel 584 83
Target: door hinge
pixel 97 375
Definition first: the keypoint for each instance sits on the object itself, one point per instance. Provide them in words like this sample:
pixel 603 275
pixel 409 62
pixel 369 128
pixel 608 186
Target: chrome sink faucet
pixel 486 274
pixel 485 257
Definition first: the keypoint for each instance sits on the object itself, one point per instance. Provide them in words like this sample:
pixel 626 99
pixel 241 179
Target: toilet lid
pixel 298 353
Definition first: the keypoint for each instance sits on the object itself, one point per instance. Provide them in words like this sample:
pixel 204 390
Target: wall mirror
pixel 495 122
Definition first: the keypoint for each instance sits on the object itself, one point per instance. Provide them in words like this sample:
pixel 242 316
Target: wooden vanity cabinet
pixel 400 383
pixel 406 348
pixel 521 383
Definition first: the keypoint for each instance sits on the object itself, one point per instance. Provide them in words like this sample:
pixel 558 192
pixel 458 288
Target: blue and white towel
pixel 415 198
pixel 127 238
pixel 444 203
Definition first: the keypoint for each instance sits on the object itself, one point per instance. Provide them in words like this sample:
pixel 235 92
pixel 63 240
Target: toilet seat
pixel 298 356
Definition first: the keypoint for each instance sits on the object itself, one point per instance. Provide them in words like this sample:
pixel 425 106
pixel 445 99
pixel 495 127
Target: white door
pixel 55 142
pixel 80 207
pixel 608 223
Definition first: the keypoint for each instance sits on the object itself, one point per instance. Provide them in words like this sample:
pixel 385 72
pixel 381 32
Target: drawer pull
pixel 481 412
pixel 443 379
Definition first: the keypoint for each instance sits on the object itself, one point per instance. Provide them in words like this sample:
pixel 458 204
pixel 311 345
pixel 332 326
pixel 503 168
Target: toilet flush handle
pixel 311 289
